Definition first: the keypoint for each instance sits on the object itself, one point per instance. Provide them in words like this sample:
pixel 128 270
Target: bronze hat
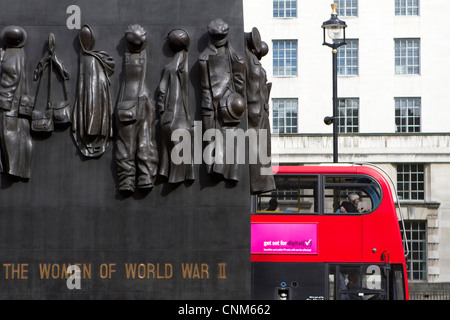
pixel 136 38
pixel 264 50
pixel 254 40
pixel 236 105
pixel 218 31
pixel 14 36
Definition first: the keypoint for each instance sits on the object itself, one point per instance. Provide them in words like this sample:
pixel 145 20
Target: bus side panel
pixel 289 281
pixel 340 238
pixel 381 234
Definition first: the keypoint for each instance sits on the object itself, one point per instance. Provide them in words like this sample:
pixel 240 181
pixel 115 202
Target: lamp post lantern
pixel 334 30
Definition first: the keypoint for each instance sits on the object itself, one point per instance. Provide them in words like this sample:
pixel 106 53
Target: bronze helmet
pixel 14 36
pixel 232 109
pixel 178 40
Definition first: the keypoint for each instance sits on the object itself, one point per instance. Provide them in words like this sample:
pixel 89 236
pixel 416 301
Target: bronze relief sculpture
pixel 258 92
pixel 222 77
pixel 230 86
pixel 136 150
pixel 15 106
pixel 92 126
pixel 173 105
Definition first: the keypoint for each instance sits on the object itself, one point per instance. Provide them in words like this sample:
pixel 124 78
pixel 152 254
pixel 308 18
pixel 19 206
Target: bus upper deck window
pixel 295 194
pixel 351 194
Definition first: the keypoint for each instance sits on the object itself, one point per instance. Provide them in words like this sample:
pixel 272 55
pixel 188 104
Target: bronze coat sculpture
pixel 258 91
pixel 135 119
pixel 173 105
pixel 92 115
pixel 222 77
pixel 15 137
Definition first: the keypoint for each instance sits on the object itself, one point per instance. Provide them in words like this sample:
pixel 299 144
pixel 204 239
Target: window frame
pixel 344 127
pixel 344 6
pixel 286 70
pixel 276 120
pixel 420 242
pixel 398 8
pixel 344 54
pixel 402 53
pixel 401 191
pixel 399 119
pixel 285 9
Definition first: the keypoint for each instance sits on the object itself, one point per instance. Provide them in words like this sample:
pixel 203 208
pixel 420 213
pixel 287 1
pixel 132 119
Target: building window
pixel 285 58
pixel 407 56
pixel 348 111
pixel 407 114
pixel 347 59
pixel 284 8
pixel 347 8
pixel 284 117
pixel 416 236
pixel 411 181
pixel 406 7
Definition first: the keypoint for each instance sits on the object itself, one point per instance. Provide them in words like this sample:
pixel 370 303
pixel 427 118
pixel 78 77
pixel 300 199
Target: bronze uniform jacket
pixel 217 78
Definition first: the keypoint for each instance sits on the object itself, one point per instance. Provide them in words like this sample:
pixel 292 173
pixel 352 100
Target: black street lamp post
pixel 334 28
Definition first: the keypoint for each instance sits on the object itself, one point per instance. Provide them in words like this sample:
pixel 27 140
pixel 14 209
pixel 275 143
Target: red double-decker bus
pixel 328 232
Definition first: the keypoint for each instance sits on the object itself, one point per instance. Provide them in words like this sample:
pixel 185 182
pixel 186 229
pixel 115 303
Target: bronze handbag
pixel 56 111
pixel 61 110
pixel 42 120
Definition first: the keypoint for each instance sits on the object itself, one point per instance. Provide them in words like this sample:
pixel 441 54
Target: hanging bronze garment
pixel 92 126
pixel 15 137
pixel 54 111
pixel 223 105
pixel 258 91
pixel 173 105
pixel 136 150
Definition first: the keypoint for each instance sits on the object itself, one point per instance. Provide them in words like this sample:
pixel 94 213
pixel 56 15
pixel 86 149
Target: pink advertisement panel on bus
pixel 289 238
